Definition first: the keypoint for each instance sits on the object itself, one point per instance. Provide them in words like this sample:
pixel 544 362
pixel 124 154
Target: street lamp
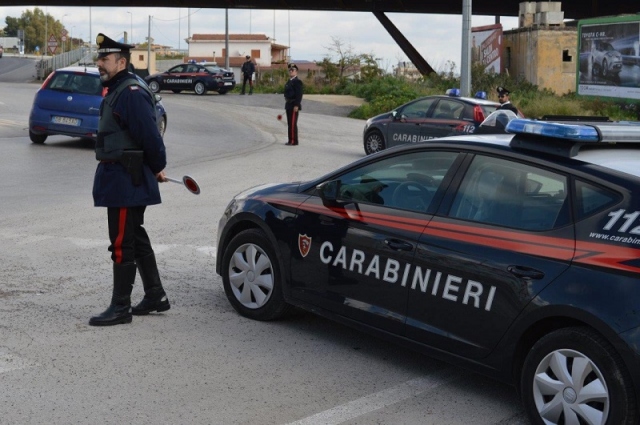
pixel 131 33
pixel 62 20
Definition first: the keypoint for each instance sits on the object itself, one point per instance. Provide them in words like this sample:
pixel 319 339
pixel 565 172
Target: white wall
pixel 236 49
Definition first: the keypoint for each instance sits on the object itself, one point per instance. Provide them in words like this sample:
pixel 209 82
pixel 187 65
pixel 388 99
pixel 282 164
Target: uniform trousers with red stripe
pixel 292 125
pixel 129 240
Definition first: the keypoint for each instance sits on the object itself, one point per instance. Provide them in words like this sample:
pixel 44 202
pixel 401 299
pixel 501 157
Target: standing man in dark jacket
pixel 505 102
pixel 132 158
pixel 293 103
pixel 248 68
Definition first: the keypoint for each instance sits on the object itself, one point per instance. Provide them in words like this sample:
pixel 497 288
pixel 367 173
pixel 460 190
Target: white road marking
pixel 96 243
pixel 378 400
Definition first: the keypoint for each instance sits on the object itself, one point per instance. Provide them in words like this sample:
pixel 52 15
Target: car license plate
pixel 227 83
pixel 66 121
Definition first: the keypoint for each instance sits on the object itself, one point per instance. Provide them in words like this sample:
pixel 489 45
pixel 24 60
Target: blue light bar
pixel 577 133
pixel 480 95
pixel 453 92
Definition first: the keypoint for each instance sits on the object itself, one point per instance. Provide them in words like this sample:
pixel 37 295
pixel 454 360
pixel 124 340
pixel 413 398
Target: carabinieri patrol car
pixel 516 255
pixel 199 78
pixel 427 118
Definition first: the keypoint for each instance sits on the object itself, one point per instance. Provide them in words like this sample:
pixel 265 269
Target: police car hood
pixel 385 116
pixel 268 189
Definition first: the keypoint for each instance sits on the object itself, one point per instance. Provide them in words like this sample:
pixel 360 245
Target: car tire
pixel 223 91
pixel 176 91
pixel 374 142
pixel 154 86
pixel 162 126
pixel 575 371
pixel 37 138
pixel 252 278
pixel 200 88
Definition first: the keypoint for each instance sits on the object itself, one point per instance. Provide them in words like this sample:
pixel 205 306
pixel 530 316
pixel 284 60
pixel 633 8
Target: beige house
pixel 139 59
pixel 212 47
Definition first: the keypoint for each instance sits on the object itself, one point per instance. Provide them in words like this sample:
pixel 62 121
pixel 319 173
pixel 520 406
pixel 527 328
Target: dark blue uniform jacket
pixel 112 185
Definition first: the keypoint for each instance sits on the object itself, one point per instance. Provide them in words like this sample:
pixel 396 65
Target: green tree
pixel 348 61
pixel 37 27
pixel 329 69
pixel 369 69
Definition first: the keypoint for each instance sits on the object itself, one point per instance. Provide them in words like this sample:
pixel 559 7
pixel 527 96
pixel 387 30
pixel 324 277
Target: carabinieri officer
pixel 293 103
pixel 132 157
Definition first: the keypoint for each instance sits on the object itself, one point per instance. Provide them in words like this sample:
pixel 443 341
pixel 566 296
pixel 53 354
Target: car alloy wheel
pixel 200 88
pixel 154 86
pixel 374 142
pixel 251 277
pixel 574 376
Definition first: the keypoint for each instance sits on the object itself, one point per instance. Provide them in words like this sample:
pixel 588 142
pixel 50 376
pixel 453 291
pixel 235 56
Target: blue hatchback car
pixel 68 103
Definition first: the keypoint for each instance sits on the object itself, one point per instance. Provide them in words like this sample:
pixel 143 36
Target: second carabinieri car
pixel 199 78
pixel 427 118
pixel 514 255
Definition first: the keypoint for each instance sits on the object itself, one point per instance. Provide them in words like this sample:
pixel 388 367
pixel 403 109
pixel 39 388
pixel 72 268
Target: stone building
pixel 543 50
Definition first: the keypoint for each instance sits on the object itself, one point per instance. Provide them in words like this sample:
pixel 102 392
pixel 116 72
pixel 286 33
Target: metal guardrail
pixel 47 64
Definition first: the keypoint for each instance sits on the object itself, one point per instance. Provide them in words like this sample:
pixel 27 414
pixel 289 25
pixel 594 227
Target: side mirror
pixel 158 97
pixel 328 192
pixel 394 114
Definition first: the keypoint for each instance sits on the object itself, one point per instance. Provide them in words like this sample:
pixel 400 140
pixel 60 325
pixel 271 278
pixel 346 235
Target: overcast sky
pixel 308 33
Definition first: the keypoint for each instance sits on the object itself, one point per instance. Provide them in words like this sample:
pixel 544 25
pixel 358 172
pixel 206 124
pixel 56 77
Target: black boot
pixel 155 299
pixel 124 275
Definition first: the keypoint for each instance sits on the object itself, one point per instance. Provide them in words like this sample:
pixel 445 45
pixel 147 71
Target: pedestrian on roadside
pixel 505 102
pixel 132 158
pixel 293 103
pixel 247 70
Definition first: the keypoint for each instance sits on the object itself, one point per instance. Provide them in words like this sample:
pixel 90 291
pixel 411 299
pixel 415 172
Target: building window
pixel 141 58
pixel 255 54
pixel 566 57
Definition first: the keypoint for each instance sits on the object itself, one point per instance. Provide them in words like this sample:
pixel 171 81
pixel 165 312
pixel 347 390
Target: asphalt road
pixel 200 362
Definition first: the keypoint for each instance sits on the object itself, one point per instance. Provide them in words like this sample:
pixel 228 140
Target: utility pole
pixel 226 38
pixel 149 47
pixel 465 62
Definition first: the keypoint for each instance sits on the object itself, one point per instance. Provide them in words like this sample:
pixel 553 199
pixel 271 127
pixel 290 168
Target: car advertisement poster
pixel 486 47
pixel 609 64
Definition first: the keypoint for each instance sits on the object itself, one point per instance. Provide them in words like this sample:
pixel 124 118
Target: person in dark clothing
pixel 132 158
pixel 247 70
pixel 293 103
pixel 505 103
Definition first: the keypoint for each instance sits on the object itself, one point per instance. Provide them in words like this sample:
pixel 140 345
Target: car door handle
pixel 398 245
pixel 525 272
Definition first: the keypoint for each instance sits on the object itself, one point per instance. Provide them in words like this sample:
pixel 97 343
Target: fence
pixel 47 64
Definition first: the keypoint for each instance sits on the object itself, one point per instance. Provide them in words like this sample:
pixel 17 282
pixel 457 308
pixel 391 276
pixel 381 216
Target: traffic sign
pixel 52 44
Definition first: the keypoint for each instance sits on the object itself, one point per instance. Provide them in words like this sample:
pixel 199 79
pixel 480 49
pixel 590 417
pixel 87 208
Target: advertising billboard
pixel 609 64
pixel 486 47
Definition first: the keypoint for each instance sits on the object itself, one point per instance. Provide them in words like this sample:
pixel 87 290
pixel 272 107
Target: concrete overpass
pixel 573 9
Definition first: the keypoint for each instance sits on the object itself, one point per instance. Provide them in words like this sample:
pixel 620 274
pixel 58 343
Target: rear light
pixel 46 81
pixel 478 114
